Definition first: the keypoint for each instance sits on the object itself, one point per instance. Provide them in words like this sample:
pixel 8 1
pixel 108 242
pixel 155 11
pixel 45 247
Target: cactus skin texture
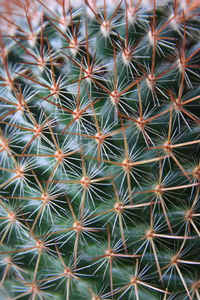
pixel 99 150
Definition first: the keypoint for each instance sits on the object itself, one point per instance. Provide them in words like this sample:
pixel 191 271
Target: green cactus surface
pixel 99 150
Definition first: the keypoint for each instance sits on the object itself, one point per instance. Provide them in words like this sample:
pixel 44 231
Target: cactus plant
pixel 99 155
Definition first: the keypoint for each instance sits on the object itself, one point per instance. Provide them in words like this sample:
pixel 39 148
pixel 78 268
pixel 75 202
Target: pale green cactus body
pixel 99 150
